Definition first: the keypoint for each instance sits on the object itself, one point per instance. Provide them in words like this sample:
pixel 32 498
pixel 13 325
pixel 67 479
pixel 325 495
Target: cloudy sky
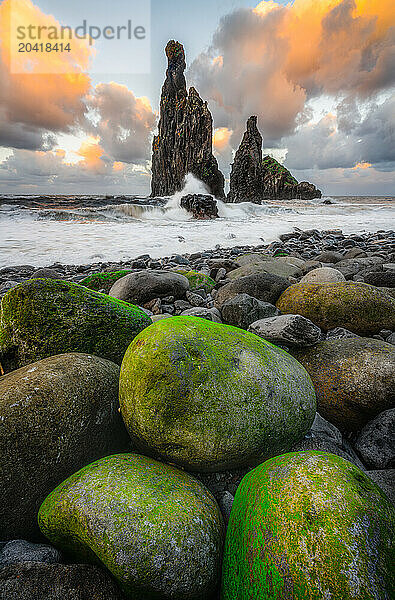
pixel 318 73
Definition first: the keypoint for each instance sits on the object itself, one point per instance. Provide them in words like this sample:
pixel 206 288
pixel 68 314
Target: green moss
pixel 157 529
pixel 44 317
pixel 309 525
pixel 275 168
pixel 197 280
pixel 209 396
pixel 359 307
pixel 103 281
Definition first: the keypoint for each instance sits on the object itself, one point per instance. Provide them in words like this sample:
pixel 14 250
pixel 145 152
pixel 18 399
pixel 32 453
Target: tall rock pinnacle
pixel 184 141
pixel 246 178
pixel 254 179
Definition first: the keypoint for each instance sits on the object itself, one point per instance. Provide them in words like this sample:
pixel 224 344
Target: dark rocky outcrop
pixel 184 142
pixel 246 178
pixel 254 179
pixel 201 206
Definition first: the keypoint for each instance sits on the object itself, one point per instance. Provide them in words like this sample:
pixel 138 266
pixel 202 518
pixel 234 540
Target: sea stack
pixel 255 179
pixel 184 141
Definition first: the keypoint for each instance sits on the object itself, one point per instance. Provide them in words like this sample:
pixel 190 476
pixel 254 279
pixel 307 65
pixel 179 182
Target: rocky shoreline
pixel 201 457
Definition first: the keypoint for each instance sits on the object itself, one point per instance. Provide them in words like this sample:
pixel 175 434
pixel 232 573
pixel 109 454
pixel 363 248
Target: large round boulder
pixel 323 275
pixel 309 525
pixel 45 317
pixel 358 307
pixel 144 286
pixel 157 529
pixel 198 280
pixel 354 379
pixel 263 286
pixel 212 397
pixel 56 416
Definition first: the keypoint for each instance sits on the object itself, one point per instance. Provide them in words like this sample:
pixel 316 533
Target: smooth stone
pixel 45 317
pixel 376 442
pixel 354 379
pixel 287 330
pixel 380 278
pixel 21 551
pixel 155 528
pixel 56 416
pixel 386 481
pixel 211 397
pixel 47 273
pixel 359 307
pixel 283 507
pixel 262 286
pixel 323 275
pixel 212 314
pixel 35 581
pixel 198 280
pixel 329 257
pixel 262 264
pixel 242 310
pixel 144 286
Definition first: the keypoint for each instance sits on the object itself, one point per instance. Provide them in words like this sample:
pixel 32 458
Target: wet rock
pixel 201 206
pixel 323 275
pixel 56 416
pixel 145 286
pixel 354 379
pixel 21 551
pixel 385 479
pixel 376 442
pixel 279 510
pixel 34 581
pixel 180 391
pixel 263 286
pixel 242 310
pixel 155 528
pixel 211 314
pixel 359 307
pixel 278 183
pixel 184 141
pixel 287 330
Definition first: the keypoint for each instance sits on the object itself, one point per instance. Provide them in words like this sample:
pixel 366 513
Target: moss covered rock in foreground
pixel 56 416
pixel 212 397
pixel 359 307
pixel 103 281
pixel 44 317
pixel 309 525
pixel 158 530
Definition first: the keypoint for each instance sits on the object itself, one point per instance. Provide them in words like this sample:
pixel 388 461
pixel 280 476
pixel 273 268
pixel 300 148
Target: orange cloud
pixel 221 138
pixel 362 165
pixel 28 97
pixel 118 166
pixel 92 153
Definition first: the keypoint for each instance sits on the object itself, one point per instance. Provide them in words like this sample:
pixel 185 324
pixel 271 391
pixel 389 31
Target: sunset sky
pixel 320 75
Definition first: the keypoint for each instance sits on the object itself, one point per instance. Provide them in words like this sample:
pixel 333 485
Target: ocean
pixel 42 230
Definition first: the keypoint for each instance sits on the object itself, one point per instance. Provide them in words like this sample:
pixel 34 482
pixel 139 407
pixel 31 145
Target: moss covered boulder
pixel 103 281
pixel 157 530
pixel 197 280
pixel 354 379
pixel 44 317
pixel 56 416
pixel 309 525
pixel 212 397
pixel 358 307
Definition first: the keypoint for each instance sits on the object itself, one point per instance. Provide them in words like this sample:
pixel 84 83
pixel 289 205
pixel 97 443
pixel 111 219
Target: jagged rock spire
pixel 184 142
pixel 246 178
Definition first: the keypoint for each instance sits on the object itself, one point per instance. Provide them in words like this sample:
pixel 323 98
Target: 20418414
pixel 48 47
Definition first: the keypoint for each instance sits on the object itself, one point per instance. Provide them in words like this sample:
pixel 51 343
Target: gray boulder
pixel 351 266
pixel 242 310
pixel 380 278
pixel 262 286
pixel 144 286
pixel 329 257
pixel 212 314
pixel 21 551
pixel 376 442
pixel 323 275
pixel 46 273
pixel 287 330
pixel 56 416
pixel 35 581
pixel 386 481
